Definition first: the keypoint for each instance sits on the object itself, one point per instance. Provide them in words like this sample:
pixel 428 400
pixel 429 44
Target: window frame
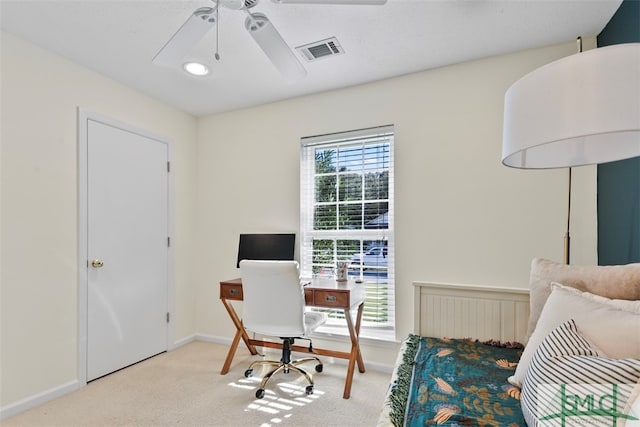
pixel 377 283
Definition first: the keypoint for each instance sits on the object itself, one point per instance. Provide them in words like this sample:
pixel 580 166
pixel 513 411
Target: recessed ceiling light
pixel 196 68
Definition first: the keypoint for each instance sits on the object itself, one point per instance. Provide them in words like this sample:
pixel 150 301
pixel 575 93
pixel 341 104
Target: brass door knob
pixel 97 263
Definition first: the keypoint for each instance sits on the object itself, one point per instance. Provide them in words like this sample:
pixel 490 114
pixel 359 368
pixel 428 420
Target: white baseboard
pixel 379 367
pixel 212 338
pixel 201 337
pixel 182 341
pixel 38 399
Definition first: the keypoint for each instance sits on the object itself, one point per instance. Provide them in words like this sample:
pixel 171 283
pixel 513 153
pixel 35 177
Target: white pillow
pixel 622 304
pixel 566 360
pixel 610 281
pixel 613 328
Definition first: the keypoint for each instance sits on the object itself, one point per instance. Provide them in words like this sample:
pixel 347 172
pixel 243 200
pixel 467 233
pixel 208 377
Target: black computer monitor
pixel 279 247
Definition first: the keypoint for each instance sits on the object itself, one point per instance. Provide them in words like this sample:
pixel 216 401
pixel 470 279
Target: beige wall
pixel 39 279
pixel 460 216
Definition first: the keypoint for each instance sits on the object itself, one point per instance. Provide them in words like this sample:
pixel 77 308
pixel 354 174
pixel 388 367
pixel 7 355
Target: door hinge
pixel 168 166
pixel 168 241
pixel 168 317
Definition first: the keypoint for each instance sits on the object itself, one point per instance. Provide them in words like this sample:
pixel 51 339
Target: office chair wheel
pixel 309 389
pixel 260 393
pixel 248 373
pixel 318 368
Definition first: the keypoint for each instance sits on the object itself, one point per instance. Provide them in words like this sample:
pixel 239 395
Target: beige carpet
pixel 184 387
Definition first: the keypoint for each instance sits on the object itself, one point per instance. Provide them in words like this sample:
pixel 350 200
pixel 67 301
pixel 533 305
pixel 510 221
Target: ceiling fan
pixel 202 20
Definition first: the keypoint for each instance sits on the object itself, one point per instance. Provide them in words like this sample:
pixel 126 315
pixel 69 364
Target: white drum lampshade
pixel 582 109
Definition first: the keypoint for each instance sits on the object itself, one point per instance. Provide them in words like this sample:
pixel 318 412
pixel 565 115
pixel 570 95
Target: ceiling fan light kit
pixel 258 25
pixel 196 68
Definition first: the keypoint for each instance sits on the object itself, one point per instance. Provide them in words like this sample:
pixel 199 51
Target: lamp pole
pixel 567 236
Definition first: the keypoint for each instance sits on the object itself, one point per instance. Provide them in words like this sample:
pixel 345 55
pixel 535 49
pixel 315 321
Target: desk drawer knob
pixel 233 291
pixel 330 298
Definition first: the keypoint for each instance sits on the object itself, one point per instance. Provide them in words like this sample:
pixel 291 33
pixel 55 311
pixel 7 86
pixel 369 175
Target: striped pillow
pixel 568 381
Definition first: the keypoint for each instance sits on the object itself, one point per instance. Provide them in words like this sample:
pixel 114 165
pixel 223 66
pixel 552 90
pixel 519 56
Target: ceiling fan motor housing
pixel 237 4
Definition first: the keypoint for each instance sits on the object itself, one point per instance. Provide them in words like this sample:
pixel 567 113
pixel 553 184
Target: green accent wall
pixel 619 182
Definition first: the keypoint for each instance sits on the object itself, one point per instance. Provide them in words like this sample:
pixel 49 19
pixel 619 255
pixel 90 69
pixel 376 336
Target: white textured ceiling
pixel 119 38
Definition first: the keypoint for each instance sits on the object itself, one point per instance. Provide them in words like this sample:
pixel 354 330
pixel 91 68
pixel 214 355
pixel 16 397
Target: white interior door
pixel 127 247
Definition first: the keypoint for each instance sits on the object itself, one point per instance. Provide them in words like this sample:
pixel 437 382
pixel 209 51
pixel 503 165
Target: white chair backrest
pixel 273 301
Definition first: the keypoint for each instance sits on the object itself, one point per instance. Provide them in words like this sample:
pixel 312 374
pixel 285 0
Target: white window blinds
pixel 347 215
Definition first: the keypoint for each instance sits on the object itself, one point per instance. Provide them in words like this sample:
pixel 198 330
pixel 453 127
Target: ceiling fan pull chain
pixel 217 54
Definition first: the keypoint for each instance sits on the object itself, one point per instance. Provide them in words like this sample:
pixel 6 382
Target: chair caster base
pixel 260 393
pixel 248 373
pixel 309 389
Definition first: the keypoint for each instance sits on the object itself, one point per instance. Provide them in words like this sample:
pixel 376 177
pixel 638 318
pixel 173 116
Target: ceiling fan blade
pixel 356 2
pixel 194 28
pixel 274 46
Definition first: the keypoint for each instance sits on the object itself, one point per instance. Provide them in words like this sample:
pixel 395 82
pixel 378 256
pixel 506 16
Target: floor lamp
pixel 580 110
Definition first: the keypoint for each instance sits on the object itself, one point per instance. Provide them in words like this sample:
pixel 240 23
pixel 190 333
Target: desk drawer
pixel 331 299
pixel 230 291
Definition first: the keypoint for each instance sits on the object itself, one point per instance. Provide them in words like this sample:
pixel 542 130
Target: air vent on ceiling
pixel 321 49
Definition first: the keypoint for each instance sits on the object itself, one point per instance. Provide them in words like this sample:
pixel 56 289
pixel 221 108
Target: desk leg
pixel 231 353
pixel 358 323
pixel 240 333
pixel 355 355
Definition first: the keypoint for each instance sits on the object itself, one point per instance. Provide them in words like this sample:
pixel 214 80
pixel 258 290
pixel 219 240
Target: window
pixel 347 216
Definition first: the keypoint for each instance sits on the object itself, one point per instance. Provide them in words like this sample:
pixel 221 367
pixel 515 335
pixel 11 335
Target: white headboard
pixel 470 311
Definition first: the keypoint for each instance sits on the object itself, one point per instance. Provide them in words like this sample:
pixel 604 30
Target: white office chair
pixel 273 305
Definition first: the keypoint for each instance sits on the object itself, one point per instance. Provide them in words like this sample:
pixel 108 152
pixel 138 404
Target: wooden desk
pixel 319 293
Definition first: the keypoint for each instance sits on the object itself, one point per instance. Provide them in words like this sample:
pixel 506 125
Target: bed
pixel 467 363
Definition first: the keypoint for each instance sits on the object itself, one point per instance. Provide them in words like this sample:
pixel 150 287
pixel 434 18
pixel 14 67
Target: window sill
pixel 378 337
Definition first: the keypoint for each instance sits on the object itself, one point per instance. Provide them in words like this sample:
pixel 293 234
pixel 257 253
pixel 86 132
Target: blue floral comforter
pixel 456 382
